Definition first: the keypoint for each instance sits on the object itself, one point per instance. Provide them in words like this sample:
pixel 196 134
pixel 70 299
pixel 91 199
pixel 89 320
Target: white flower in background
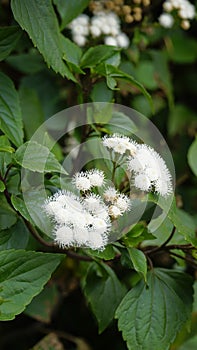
pixel 122 40
pixel 80 29
pixel 80 40
pixel 102 24
pixel 168 6
pixel 183 9
pixel 166 20
pixel 110 40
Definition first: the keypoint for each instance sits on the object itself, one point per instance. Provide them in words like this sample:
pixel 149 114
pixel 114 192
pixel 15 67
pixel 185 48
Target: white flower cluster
pixel 85 220
pixel 105 24
pixel 184 9
pixel 149 169
pixel 119 143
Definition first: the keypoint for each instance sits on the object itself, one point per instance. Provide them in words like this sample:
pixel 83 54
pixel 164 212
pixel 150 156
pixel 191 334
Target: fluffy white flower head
pixel 123 203
pixel 166 20
pixel 110 194
pixel 82 182
pixel 110 40
pixel 118 143
pixel 96 177
pixel 114 211
pixel 123 40
pixel 142 182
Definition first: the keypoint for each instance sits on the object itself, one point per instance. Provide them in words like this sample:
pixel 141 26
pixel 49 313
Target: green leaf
pixel 112 73
pixel 107 254
pixel 139 261
pixel 104 292
pixel 95 55
pixel 19 206
pixel 2 186
pixel 162 74
pixel 150 317
pixel 182 221
pixel 35 157
pixel 31 208
pixel 31 110
pixel 145 74
pixel 15 237
pixel 39 17
pixel 28 63
pixel 192 156
pixel 8 216
pixel 23 275
pixel 190 344
pixel 178 52
pixel 121 123
pixel 42 306
pixel 70 9
pixel 101 93
pixel 10 113
pixel 5 156
pixel 9 37
pixel 71 54
pixel 180 119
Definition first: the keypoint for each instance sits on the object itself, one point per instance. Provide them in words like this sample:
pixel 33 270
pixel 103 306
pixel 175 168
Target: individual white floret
pixel 123 40
pixel 113 19
pixel 132 147
pixel 82 182
pixel 52 207
pixel 187 13
pixel 81 236
pixel 110 40
pixel 100 225
pixel 106 29
pixel 166 20
pixel 118 143
pixel 115 31
pixel 96 177
pixel 96 241
pixel 114 211
pixel 95 31
pixel 176 3
pixel 123 203
pixel 110 194
pixel 164 188
pixel 79 40
pixel 64 236
pixel 142 182
pixel 68 200
pixel 82 19
pixel 135 165
pixel 80 30
pixel 168 6
pixel 92 202
pixel 153 173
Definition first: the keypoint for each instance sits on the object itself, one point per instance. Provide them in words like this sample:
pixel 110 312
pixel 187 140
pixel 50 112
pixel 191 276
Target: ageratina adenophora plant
pixel 86 219
pixel 91 216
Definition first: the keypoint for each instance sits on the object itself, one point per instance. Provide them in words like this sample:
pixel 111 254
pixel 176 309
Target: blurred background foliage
pixel 164 62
